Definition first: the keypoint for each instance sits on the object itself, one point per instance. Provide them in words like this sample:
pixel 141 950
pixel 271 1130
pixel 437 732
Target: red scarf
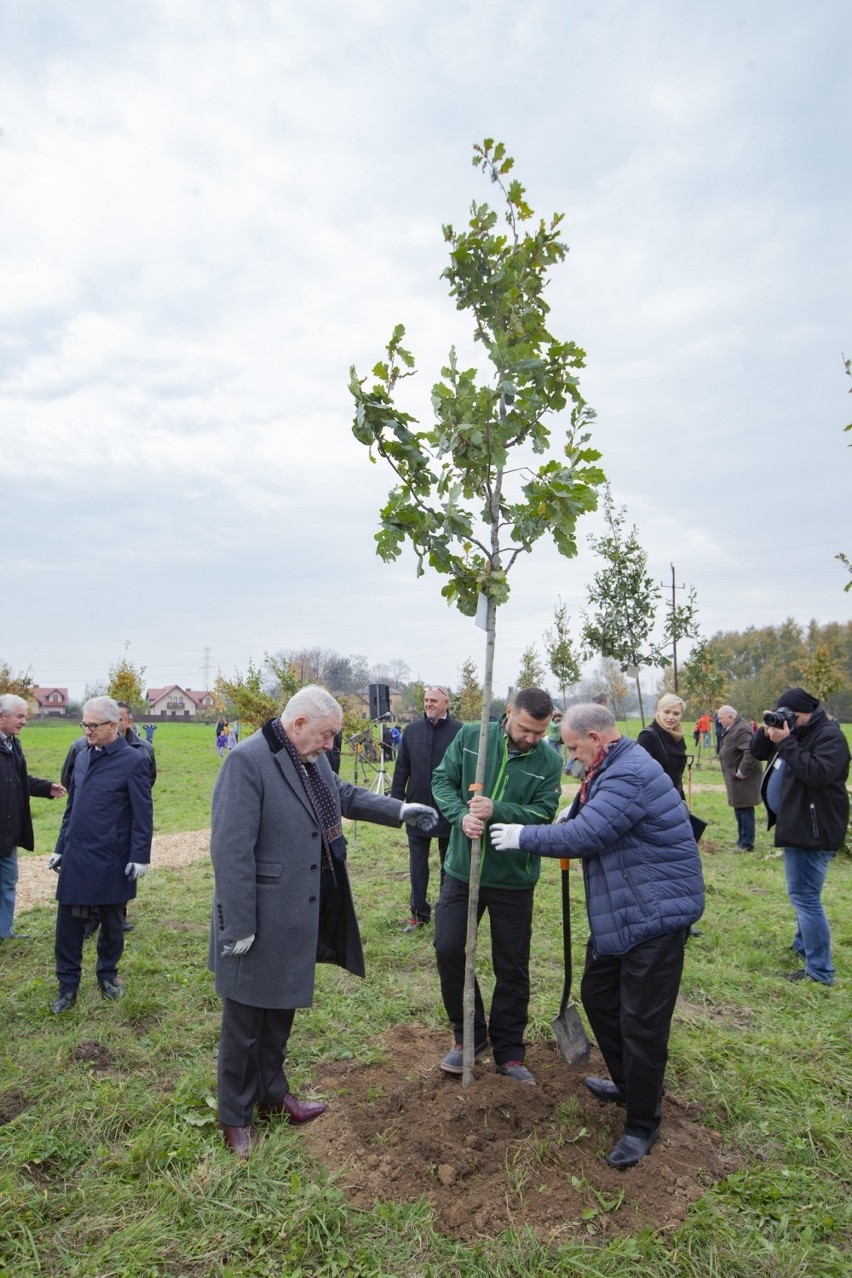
pixel 600 755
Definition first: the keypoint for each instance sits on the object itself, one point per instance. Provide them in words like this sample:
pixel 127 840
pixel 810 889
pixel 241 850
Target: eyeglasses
pixel 90 727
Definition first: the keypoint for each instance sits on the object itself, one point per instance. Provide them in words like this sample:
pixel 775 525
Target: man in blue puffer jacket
pixel 644 888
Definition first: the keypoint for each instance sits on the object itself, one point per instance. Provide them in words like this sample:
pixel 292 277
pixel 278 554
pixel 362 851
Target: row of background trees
pixel 747 668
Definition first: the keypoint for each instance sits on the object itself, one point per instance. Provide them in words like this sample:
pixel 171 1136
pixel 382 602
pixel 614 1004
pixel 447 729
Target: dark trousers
pixel 629 1000
pixel 69 945
pixel 510 915
pixel 250 1068
pixel 745 827
pixel 418 869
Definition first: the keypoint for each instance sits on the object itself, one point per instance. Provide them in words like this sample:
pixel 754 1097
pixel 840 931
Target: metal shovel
pixel 568 1028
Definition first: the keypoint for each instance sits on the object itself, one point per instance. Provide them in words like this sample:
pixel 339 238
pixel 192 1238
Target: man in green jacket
pixel 522 784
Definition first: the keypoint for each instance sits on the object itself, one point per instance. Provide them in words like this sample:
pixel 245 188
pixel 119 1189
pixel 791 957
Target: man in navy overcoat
pixel 104 846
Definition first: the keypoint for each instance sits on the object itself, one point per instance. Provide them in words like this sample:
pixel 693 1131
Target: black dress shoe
pixel 67 998
pixel 112 990
pixel 239 1139
pixel 630 1150
pixel 295 1110
pixel 602 1089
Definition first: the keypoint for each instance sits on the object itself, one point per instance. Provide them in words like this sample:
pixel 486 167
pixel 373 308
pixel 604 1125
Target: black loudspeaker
pixel 379 700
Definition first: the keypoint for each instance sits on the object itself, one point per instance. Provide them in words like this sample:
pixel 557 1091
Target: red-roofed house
pixel 49 702
pixel 174 702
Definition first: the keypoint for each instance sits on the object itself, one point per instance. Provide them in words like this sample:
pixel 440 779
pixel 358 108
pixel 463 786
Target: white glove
pixel 135 870
pixel 563 815
pixel 505 837
pixel 419 815
pixel 55 861
pixel 239 947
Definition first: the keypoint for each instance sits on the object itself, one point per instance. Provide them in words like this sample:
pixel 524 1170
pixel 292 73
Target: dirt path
pixel 37 885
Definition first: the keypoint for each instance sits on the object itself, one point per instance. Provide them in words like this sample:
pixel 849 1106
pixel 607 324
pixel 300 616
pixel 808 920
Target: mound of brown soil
pixel 499 1154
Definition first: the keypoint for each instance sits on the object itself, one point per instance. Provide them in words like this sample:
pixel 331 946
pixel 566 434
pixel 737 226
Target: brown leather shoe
pixel 295 1110
pixel 239 1139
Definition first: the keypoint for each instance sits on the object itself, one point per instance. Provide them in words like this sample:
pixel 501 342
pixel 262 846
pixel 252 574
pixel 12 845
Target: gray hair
pixel 728 710
pixel 588 717
pixel 313 702
pixel 104 707
pixel 10 702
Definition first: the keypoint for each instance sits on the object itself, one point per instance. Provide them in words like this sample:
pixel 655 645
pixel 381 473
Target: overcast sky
pixel 212 208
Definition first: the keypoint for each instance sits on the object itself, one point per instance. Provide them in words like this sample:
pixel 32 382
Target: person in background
pixel 17 787
pixel 423 746
pixel 804 792
pixel 663 739
pixel 741 771
pixel 704 725
pixel 554 732
pixel 104 847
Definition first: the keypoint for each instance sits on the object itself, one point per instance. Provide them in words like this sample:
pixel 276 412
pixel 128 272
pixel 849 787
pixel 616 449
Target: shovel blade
pixel 570 1036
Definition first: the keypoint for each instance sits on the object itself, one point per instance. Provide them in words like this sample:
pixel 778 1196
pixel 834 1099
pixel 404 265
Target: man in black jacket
pixel 16 789
pixel 804 790
pixel 424 744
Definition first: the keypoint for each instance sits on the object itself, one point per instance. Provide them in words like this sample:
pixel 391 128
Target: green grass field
pixel 111 1165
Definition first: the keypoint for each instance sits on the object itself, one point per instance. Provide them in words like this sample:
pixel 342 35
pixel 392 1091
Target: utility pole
pixel 205 671
pixel 682 586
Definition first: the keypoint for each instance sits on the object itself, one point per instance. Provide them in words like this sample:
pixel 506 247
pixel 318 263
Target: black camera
pixel 776 718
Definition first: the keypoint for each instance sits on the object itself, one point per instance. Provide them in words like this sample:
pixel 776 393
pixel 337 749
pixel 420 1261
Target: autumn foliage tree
pixel 125 682
pixel 20 684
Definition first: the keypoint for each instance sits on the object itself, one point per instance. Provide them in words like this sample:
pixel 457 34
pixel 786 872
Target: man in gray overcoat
pixel 742 772
pixel 282 900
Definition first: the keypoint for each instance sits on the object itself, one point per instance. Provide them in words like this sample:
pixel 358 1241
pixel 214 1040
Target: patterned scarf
pixel 319 796
pixel 600 755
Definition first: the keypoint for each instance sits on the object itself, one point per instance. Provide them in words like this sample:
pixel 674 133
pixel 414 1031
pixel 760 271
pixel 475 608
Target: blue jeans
pixel 745 827
pixel 8 883
pixel 806 873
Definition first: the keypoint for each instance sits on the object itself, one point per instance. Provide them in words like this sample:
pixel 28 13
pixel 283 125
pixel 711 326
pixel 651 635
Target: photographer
pixel 804 790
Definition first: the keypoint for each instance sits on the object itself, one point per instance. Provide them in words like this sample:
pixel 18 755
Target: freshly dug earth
pixel 500 1154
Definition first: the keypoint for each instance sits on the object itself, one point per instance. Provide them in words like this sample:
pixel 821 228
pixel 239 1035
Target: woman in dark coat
pixel 663 739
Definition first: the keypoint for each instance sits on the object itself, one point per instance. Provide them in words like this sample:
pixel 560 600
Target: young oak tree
pixel 469 496
pixel 466 702
pixel 531 673
pixel 563 663
pixel 626 597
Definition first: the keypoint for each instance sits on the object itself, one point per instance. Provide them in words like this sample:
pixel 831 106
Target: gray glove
pixel 135 870
pixel 238 947
pixel 505 837
pixel 419 815
pixel 55 861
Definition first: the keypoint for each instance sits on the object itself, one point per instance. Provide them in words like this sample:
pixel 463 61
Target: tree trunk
pixel 641 707
pixel 469 1002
